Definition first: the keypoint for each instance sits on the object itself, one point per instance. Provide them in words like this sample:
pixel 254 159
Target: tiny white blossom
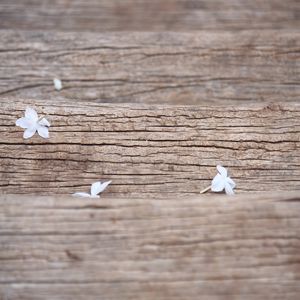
pixel 31 123
pixel 57 84
pixel 221 181
pixel 96 189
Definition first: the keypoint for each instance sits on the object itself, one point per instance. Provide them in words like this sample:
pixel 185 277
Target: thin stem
pixel 205 190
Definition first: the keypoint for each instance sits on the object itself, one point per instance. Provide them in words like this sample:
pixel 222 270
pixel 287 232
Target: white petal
pixel 95 188
pixel 31 114
pixel 104 185
pixel 228 189
pixel 218 183
pixel 29 132
pixel 24 123
pixel 222 171
pixel 44 122
pixel 57 84
pixel 79 194
pixel 43 131
pixel 99 187
pixel 231 182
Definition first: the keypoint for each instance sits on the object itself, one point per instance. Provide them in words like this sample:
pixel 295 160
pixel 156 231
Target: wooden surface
pixel 217 247
pixel 149 15
pixel 150 150
pixel 158 243
pixel 172 68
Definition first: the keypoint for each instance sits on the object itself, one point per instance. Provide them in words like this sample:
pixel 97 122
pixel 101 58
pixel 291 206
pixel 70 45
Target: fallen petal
pixel 31 114
pixel 43 131
pixel 228 189
pixel 24 123
pixel 83 195
pixel 57 84
pixel 95 188
pixel 99 187
pixel 231 182
pixel 29 132
pixel 104 185
pixel 44 122
pixel 218 184
pixel 222 171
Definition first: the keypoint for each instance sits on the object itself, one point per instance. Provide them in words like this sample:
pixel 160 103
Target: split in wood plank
pixel 149 150
pixel 171 68
pixel 242 247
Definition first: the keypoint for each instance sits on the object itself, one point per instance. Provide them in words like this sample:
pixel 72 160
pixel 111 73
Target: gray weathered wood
pixel 149 15
pixel 172 68
pixel 210 247
pixel 150 150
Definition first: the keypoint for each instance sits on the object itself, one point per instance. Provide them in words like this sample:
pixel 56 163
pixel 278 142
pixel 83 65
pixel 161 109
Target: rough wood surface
pixel 173 68
pixel 149 15
pixel 213 247
pixel 150 150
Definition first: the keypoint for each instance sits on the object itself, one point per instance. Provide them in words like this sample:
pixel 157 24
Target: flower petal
pixel 222 171
pixel 95 188
pixel 231 182
pixel 84 195
pixel 218 183
pixel 57 84
pixel 104 185
pixel 43 131
pixel 31 114
pixel 99 187
pixel 44 122
pixel 29 132
pixel 24 123
pixel 229 189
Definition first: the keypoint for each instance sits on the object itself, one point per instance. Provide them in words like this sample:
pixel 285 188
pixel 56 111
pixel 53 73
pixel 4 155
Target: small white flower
pixel 57 84
pixel 32 123
pixel 96 189
pixel 222 181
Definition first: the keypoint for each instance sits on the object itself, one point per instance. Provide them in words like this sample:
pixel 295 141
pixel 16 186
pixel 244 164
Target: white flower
pixel 222 181
pixel 32 123
pixel 57 84
pixel 96 189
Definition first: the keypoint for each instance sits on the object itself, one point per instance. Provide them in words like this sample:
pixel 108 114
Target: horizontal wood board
pixel 213 247
pixel 149 150
pixel 200 68
pixel 145 15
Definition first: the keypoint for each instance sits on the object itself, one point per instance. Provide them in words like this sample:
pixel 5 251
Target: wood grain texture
pixel 150 150
pixel 145 15
pixel 244 247
pixel 171 68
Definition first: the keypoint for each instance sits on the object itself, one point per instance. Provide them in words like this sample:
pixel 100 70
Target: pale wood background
pixel 149 15
pixel 213 247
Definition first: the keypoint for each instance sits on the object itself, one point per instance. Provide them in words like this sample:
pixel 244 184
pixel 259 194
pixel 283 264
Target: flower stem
pixel 205 190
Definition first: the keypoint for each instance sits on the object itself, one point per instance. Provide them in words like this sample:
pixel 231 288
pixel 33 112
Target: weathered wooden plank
pixel 243 247
pixel 172 68
pixel 150 150
pixel 145 15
